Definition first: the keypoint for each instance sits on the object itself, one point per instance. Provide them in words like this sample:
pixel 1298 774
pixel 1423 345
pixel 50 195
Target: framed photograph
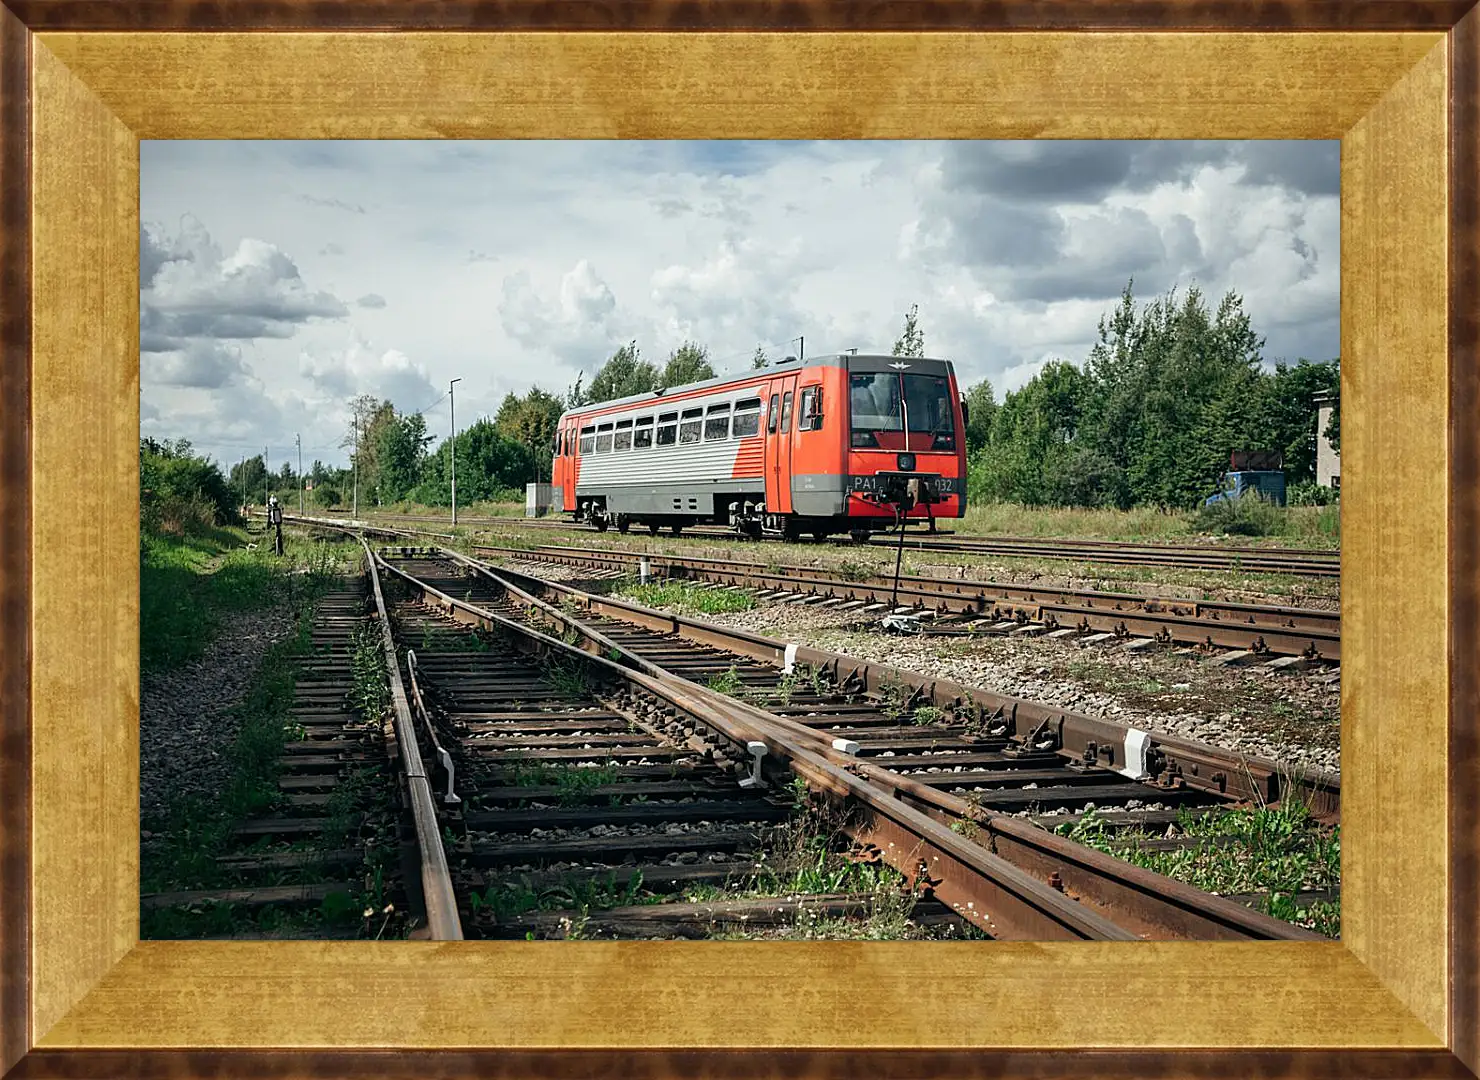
pixel 82 84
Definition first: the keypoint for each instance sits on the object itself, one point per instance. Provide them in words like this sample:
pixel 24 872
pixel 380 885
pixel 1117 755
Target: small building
pixel 1328 461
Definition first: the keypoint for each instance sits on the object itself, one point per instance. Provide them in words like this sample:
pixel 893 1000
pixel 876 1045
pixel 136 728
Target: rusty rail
pixel 436 880
pixel 1261 628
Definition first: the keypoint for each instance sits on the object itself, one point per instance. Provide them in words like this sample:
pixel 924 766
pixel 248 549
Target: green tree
pixel 531 421
pixel 689 363
pixel 759 360
pixel 489 466
pixel 1032 436
pixel 179 491
pixel 1290 413
pixel 980 407
pixel 624 374
pixel 912 341
pixel 400 453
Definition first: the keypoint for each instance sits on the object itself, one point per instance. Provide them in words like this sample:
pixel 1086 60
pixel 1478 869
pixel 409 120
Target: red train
pixel 830 444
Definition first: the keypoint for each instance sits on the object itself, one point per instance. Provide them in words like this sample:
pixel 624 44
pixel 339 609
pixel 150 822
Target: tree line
pixel 1168 390
pixel 1166 393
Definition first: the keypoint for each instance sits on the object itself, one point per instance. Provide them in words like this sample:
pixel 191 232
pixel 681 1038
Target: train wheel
pixel 676 529
pixel 652 528
pixel 602 523
pixel 820 535
pixel 623 524
pixel 860 536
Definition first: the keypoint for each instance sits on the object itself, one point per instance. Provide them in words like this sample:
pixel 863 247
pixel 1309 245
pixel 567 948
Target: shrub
pixel 325 496
pixel 1251 514
pixel 1309 493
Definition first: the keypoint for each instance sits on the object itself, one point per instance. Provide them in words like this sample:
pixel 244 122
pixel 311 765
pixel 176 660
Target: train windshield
pixel 879 403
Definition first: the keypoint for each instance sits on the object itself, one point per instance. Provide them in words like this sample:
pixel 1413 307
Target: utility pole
pixel 452 404
pixel 801 348
pixel 298 442
pixel 244 483
pixel 355 509
pixel 266 476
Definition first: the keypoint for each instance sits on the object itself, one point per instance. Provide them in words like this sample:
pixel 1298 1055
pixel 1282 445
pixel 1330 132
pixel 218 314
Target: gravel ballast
pixel 186 720
pixel 1292 718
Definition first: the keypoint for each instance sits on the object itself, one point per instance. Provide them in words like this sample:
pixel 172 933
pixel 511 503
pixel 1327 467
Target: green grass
pixel 686 598
pixel 188 585
pixel 1276 852
pixel 1305 526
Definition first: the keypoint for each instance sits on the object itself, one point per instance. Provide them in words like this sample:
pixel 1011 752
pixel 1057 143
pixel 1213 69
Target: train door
pixel 778 445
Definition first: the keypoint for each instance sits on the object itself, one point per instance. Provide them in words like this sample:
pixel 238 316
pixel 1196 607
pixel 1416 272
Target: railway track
pixel 960 606
pixel 949 802
pixel 1298 562
pixel 325 857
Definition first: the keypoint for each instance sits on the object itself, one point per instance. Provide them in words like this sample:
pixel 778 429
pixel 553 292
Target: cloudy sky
pixel 280 279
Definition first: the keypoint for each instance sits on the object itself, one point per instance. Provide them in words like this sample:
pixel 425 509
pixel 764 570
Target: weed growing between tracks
pixel 1274 853
pixel 686 598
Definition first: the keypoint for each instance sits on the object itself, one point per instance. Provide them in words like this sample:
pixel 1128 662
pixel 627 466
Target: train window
pixel 747 417
pixel 807 415
pixel 604 439
pixel 786 412
pixel 717 424
pixel 667 428
pixel 588 439
pixel 623 439
pixel 693 423
pixel 642 434
pixel 774 415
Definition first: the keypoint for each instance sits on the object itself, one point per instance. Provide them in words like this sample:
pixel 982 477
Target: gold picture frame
pixel 82 82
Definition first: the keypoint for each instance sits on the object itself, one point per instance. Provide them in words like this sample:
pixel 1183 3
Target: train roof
pixel 853 361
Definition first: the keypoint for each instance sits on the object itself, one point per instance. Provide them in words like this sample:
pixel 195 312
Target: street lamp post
pixel 298 442
pixel 452 404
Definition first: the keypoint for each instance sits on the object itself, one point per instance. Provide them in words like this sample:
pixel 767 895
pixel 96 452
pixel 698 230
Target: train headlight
pixel 906 462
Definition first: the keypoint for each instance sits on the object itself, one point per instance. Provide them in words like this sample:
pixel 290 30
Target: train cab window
pixel 642 433
pixel 623 438
pixel 809 411
pixel 667 428
pixel 692 425
pixel 773 415
pixel 603 438
pixel 588 439
pixel 717 423
pixel 747 418
pixel 786 412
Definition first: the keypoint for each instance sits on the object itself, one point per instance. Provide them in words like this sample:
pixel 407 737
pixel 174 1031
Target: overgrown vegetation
pixel 687 597
pixel 1273 852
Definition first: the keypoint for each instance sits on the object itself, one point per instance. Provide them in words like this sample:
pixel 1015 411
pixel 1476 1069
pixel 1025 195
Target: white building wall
pixel 1328 462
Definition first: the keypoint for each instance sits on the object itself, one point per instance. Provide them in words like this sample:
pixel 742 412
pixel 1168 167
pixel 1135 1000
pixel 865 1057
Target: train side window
pixel 808 418
pixel 667 428
pixel 786 412
pixel 773 415
pixel 717 424
pixel 623 438
pixel 588 439
pixel 692 426
pixel 747 418
pixel 603 438
pixel 642 434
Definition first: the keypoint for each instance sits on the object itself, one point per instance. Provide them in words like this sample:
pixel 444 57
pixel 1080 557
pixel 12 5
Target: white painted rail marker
pixel 847 746
pixel 757 751
pixel 1136 744
pixel 790 660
